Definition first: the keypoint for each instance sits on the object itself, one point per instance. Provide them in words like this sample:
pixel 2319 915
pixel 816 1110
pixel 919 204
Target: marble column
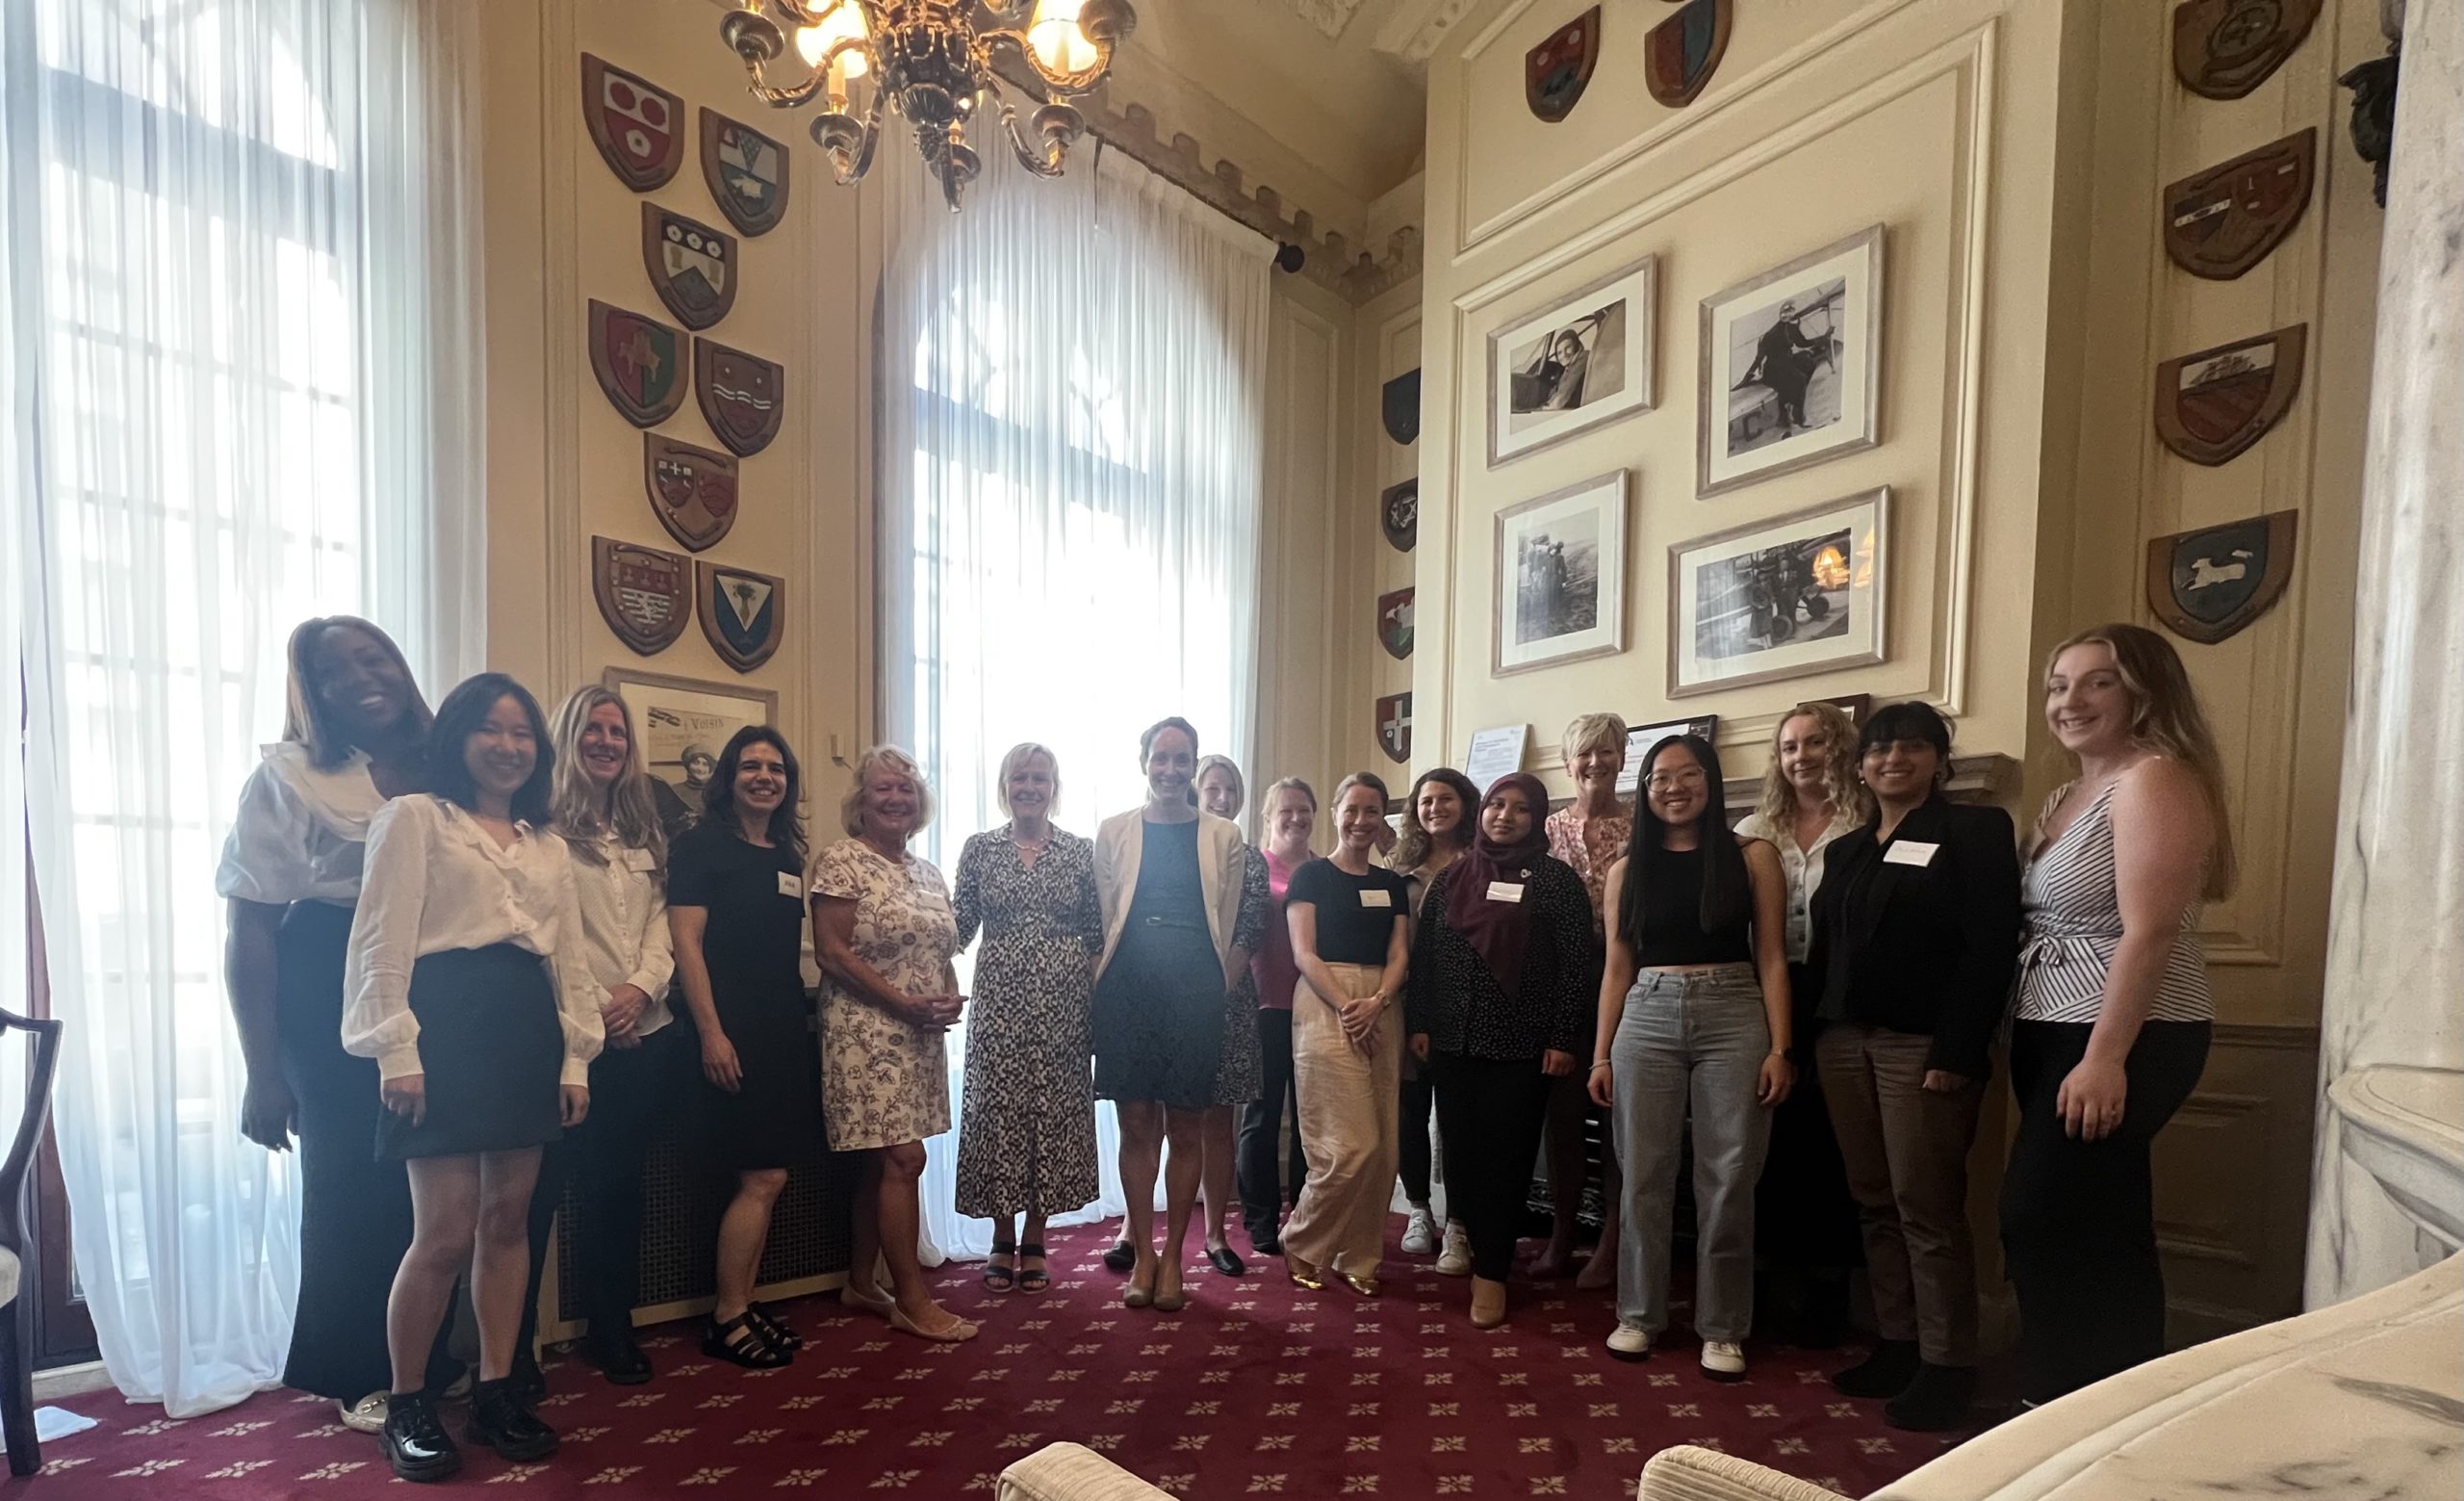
pixel 2395 987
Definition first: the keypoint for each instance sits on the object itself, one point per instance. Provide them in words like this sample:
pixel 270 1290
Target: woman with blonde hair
pixel 1027 1137
pixel 1804 1216
pixel 884 933
pixel 2114 1008
pixel 1290 818
pixel 1589 834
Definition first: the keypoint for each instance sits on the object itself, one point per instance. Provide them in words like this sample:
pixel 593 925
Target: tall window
pixel 217 278
pixel 1072 441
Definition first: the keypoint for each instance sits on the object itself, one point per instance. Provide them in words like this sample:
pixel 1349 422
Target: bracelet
pixel 1603 1064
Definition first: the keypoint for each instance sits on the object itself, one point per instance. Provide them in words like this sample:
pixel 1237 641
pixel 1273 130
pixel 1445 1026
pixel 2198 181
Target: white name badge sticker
pixel 1377 897
pixel 791 886
pixel 1505 891
pixel 637 860
pixel 1910 852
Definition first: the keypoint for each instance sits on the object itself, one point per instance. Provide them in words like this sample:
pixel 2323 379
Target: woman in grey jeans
pixel 1693 1013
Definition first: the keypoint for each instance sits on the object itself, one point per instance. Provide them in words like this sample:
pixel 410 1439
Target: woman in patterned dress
pixel 1239 1076
pixel 1027 1144
pixel 884 933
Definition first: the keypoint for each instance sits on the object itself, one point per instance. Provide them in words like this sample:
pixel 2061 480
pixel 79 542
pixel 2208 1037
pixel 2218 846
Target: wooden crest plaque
pixel 1398 514
pixel 1395 726
pixel 2212 405
pixel 1556 73
pixel 1399 406
pixel 1682 53
pixel 639 362
pixel 744 613
pixel 2220 223
pixel 641 593
pixel 747 173
pixel 2223 49
pixel 691 489
pixel 637 126
pixel 1395 623
pixel 2209 584
pixel 691 266
pixel 743 396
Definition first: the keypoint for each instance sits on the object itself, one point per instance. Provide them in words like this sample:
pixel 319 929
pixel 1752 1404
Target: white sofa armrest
pixel 1073 1472
pixel 1687 1473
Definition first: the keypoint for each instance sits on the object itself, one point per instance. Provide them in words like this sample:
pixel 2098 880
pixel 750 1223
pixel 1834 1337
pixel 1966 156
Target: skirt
pixel 1159 1017
pixel 773 1119
pixel 493 1049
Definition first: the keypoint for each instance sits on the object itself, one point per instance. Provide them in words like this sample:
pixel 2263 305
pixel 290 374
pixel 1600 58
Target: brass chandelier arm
pixel 1060 83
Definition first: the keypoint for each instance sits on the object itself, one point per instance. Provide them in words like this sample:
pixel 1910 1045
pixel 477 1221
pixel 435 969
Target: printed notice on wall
pixel 1495 753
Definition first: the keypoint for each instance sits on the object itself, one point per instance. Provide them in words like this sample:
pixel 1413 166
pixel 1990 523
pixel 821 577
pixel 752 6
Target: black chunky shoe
pixel 1936 1402
pixel 500 1420
pixel 415 1443
pixel 1121 1258
pixel 619 1358
pixel 1884 1373
pixel 774 1328
pixel 741 1342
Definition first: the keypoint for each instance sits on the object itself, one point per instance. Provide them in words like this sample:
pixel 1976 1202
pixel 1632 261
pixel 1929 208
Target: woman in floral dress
pixel 1027 1137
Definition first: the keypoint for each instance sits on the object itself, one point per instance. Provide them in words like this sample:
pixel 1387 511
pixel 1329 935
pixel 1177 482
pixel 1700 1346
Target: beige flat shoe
pixel 1488 1303
pixel 957 1332
pixel 866 1301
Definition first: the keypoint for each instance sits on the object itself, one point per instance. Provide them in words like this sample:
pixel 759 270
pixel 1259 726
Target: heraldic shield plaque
pixel 637 126
pixel 1682 53
pixel 2220 223
pixel 1395 622
pixel 641 593
pixel 2208 585
pixel 743 613
pixel 1556 73
pixel 639 362
pixel 2214 405
pixel 1395 726
pixel 693 490
pixel 742 396
pixel 691 266
pixel 747 173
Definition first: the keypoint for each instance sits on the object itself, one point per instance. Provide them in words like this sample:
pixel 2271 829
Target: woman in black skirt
pixel 356 734
pixel 483 1040
pixel 735 905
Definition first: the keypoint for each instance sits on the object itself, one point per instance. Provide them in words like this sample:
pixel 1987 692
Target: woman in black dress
pixel 735 907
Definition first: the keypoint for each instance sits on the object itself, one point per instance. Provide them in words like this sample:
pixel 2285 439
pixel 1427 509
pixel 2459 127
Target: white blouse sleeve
pixel 658 947
pixel 265 858
pixel 577 993
pixel 385 938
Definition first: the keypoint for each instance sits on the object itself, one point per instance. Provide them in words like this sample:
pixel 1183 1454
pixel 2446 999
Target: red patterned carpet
pixel 1256 1389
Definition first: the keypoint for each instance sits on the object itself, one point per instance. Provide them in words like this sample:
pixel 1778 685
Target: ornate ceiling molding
pixel 1417 26
pixel 1330 16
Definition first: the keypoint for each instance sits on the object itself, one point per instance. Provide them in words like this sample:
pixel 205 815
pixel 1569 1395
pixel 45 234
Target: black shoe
pixel 1885 1373
pixel 774 1328
pixel 1121 1258
pixel 500 1420
pixel 1936 1402
pixel 415 1443
pixel 529 1382
pixel 742 1342
pixel 1224 1259
pixel 619 1358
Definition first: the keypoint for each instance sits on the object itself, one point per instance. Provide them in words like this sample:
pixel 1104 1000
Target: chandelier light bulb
pixel 845 22
pixel 1056 39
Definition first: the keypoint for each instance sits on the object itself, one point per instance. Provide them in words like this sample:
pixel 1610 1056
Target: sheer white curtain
pixel 1072 412
pixel 240 393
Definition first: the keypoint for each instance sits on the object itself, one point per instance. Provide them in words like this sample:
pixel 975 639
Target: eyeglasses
pixel 1670 781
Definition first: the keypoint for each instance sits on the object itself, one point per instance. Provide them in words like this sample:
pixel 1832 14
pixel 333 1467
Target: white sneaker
pixel 1723 1359
pixel 1455 1259
pixel 1420 1237
pixel 367 1415
pixel 1629 1341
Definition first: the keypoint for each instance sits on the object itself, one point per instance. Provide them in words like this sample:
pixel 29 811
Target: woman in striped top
pixel 2114 1010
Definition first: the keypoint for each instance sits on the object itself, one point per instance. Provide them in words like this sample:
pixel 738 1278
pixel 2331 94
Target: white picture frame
pixel 1582 361
pixel 1749 428
pixel 1829 569
pixel 1557 588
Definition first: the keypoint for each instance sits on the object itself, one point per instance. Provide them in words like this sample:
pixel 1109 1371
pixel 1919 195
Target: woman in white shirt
pixel 602 811
pixel 355 733
pixel 1806 1223
pixel 465 985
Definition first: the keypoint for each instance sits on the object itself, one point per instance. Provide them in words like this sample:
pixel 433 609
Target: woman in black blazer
pixel 1915 937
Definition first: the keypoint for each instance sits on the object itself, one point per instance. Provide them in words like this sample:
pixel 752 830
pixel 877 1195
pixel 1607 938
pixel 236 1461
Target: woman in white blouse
pixel 464 983
pixel 1806 1223
pixel 355 733
pixel 604 812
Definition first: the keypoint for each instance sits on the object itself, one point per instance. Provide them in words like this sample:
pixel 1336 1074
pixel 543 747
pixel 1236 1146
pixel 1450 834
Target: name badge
pixel 1910 852
pixel 791 886
pixel 637 860
pixel 1378 896
pixel 1505 891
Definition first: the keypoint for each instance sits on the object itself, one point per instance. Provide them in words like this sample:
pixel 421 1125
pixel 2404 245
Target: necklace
pixel 1031 847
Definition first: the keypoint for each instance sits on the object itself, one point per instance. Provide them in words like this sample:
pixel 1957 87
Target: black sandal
pixel 741 1342
pixel 1034 1279
pixel 773 1328
pixel 997 1277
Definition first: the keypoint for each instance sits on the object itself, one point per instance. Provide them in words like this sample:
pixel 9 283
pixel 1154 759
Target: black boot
pixel 1885 1373
pixel 415 1443
pixel 502 1421
pixel 1936 1402
pixel 619 1357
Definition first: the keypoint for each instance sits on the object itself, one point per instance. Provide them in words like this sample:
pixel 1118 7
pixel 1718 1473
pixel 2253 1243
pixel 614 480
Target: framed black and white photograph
pixel 1791 365
pixel 1584 360
pixel 1559 592
pixel 1801 594
pixel 681 725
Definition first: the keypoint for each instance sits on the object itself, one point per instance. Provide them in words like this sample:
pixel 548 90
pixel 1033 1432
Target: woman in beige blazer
pixel 1170 879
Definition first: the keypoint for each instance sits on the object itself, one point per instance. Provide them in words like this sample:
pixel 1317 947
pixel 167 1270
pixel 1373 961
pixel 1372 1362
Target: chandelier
pixel 931 62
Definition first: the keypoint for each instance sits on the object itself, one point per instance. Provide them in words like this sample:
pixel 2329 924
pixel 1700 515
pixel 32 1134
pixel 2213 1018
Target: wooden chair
pixel 17 1314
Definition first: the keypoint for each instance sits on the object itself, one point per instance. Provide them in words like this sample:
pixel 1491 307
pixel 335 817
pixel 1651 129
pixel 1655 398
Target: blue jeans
pixel 1691 1039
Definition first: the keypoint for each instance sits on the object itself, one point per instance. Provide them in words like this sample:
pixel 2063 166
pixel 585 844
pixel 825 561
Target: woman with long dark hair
pixel 1440 823
pixel 1694 1020
pixel 1239 1076
pixel 736 910
pixel 354 733
pixel 464 983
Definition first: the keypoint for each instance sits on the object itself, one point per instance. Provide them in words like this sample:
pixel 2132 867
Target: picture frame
pixel 1558 586
pixel 1641 737
pixel 1785 597
pixel 678 719
pixel 1540 396
pixel 1827 402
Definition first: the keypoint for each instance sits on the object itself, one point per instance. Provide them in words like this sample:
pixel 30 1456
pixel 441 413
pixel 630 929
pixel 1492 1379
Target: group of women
pixel 460 945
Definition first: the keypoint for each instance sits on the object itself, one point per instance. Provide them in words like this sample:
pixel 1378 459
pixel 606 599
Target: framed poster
pixel 1791 365
pixel 1641 737
pixel 681 725
pixel 1584 360
pixel 1776 599
pixel 1558 593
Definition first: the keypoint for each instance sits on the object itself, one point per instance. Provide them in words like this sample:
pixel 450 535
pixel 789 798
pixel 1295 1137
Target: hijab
pixel 1499 930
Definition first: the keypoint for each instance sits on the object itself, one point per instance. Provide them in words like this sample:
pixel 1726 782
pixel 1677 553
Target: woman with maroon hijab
pixel 1500 1005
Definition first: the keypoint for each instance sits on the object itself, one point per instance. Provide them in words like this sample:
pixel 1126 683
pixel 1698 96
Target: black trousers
pixel 630 1088
pixel 2079 1217
pixel 1490 1112
pixel 1804 1218
pixel 1412 1163
pixel 1266 1189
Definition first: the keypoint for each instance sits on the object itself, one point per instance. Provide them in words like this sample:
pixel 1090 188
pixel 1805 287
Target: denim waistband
pixel 1728 979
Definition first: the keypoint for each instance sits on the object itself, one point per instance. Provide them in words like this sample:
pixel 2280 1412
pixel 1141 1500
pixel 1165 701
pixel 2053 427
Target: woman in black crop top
pixel 1693 1011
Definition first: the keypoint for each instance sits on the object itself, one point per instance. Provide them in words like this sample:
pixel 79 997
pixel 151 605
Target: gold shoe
pixel 1366 1286
pixel 1303 1274
pixel 1488 1303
